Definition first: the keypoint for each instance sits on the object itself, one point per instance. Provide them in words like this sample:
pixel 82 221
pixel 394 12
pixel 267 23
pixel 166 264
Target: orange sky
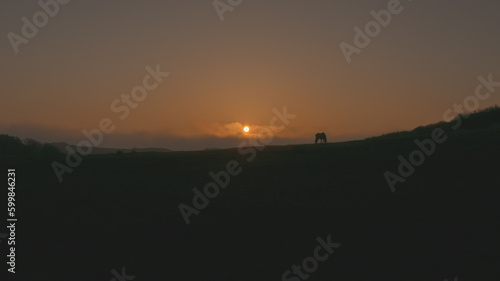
pixel 227 74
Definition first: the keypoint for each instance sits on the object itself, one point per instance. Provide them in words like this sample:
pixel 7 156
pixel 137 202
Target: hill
pixel 486 119
pixel 61 146
pixel 115 211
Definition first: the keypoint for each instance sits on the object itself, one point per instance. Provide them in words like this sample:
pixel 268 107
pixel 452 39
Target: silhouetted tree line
pixel 15 147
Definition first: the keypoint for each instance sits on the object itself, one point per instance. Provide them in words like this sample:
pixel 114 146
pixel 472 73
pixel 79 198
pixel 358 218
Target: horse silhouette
pixel 320 137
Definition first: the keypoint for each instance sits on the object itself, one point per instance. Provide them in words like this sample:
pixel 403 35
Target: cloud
pixel 235 130
pixel 222 136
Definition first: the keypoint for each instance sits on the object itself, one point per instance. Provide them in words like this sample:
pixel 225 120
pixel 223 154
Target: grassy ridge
pixel 122 210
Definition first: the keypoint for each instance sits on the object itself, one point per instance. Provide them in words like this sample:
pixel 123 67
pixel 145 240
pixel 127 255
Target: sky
pixel 231 63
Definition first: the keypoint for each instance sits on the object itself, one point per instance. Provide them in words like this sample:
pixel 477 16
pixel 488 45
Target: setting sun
pixel 246 129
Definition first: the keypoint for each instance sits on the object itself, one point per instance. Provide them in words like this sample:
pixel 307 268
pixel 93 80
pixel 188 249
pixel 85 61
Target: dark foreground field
pixel 118 211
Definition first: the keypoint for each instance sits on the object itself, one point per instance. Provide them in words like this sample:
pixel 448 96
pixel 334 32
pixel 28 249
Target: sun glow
pixel 246 129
